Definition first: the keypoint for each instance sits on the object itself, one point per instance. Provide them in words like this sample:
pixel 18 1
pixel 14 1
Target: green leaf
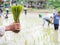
pixel 16 11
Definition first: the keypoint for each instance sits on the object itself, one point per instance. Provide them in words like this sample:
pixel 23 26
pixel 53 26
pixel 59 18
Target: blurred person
pixel 56 19
pixel 25 10
pixel 7 5
pixel 48 20
pixel 7 12
pixel 0 13
pixel 1 16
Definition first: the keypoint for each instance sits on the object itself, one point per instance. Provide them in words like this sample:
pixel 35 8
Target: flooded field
pixel 32 31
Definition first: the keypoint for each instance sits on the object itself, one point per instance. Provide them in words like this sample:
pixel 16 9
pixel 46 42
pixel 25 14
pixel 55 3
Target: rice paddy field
pixel 32 32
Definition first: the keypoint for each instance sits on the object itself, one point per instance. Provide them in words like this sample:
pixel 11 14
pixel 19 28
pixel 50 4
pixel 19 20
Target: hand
pixel 15 27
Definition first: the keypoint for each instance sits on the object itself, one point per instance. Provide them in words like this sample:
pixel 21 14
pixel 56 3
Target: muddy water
pixel 32 31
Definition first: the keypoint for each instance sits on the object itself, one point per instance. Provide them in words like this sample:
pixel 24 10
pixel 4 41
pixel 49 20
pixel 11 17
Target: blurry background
pixel 32 32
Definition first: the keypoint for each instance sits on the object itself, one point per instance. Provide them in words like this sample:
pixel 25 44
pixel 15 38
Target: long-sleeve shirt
pixel 2 30
pixel 56 19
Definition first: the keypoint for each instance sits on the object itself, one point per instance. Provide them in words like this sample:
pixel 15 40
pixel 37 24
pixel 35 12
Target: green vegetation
pixel 54 3
pixel 16 10
pixel 58 9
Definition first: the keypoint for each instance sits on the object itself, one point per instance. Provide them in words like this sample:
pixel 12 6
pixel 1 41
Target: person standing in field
pixel 25 10
pixel 56 19
pixel 1 16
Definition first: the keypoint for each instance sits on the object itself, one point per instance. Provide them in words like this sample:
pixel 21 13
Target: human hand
pixel 15 27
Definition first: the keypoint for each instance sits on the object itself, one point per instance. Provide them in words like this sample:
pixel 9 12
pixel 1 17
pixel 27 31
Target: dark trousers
pixel 25 12
pixel 56 26
pixel 7 12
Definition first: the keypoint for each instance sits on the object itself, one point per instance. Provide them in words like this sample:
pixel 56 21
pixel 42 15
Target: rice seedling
pixel 16 11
